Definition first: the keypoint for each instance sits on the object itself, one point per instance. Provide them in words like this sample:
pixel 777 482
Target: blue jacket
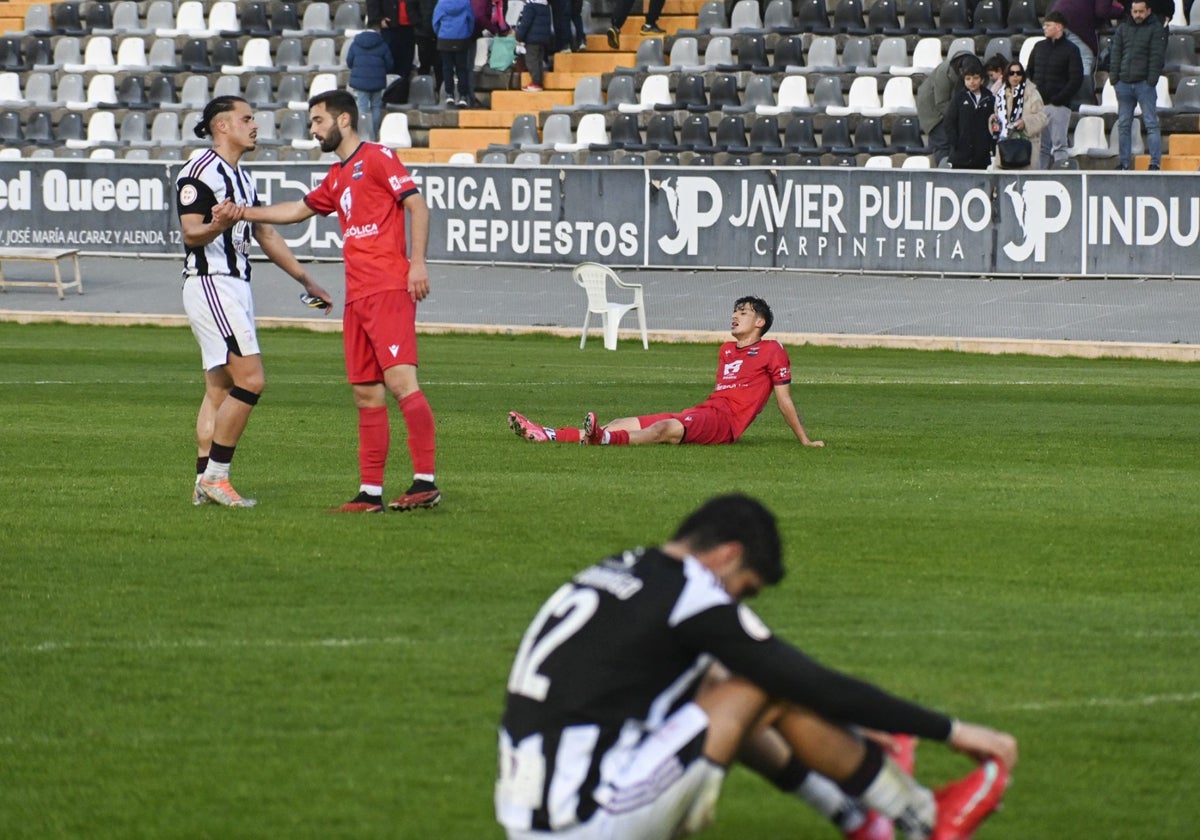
pixel 369 60
pixel 454 19
pixel 536 24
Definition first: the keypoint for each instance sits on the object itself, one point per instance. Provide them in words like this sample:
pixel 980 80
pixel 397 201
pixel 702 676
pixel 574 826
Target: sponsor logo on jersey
pixel 344 202
pixel 187 195
pixel 362 231
pixel 394 181
pixel 731 369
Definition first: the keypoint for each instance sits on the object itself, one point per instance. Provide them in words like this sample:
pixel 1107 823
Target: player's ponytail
pixel 212 110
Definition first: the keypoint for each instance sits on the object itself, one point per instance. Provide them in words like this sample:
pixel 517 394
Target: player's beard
pixel 332 140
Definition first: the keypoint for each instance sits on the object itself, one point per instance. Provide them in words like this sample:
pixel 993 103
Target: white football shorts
pixel 220 310
pixel 663 789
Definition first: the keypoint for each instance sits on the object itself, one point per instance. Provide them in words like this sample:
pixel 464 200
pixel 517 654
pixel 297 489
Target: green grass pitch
pixel 1010 539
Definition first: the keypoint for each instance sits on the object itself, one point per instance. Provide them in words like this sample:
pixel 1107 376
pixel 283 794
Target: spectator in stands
pixel 1084 17
pixel 579 38
pixel 620 13
pixel 395 24
pixel 429 63
pixel 1164 10
pixel 369 59
pixel 1136 61
pixel 454 23
pixel 969 120
pixel 1056 68
pixel 933 98
pixel 535 29
pixel 1019 108
pixel 996 67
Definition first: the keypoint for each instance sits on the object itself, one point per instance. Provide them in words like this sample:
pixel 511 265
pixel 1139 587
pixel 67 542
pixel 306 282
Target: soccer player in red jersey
pixel 749 370
pixel 370 190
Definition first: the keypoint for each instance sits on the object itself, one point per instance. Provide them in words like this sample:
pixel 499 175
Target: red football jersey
pixel 365 191
pixel 745 379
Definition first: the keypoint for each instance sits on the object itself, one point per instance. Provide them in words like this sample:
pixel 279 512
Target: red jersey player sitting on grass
pixel 748 370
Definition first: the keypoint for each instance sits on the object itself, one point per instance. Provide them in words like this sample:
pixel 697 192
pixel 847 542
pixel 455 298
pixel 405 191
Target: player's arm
pixel 278 252
pixel 783 399
pixel 788 674
pixel 418 229
pixel 198 217
pixel 286 213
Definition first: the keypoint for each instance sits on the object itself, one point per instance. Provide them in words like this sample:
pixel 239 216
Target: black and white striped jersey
pixel 204 182
pixel 618 648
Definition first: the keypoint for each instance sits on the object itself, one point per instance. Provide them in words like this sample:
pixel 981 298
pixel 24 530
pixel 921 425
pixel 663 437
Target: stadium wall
pixel 1060 224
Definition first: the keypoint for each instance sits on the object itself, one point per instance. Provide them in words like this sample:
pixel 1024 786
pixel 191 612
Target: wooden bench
pixel 51 255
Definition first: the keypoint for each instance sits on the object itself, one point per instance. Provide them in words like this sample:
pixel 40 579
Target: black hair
pixel 997 62
pixel 737 518
pixel 218 106
pixel 760 307
pixel 338 102
pixel 971 67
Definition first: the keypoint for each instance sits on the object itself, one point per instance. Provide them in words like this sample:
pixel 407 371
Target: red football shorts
pixel 700 424
pixel 379 332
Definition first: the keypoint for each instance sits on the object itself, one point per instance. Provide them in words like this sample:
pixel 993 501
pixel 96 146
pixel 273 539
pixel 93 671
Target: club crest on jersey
pixel 344 202
pixel 187 195
pixel 358 170
pixel 752 352
pixel 731 369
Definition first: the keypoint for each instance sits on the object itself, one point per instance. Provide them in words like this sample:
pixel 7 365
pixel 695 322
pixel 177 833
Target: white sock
pixel 215 471
pixel 831 802
pixel 423 477
pixel 370 489
pixel 897 795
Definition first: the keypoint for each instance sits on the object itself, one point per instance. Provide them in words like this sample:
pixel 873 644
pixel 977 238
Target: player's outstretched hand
pixel 982 742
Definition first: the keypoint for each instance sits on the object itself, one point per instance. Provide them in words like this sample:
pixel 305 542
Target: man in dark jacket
pixel 1135 63
pixel 1056 67
pixel 396 26
pixel 1083 17
pixel 429 63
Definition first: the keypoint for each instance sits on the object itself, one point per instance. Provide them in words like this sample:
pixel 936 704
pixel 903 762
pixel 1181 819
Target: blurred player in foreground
pixel 644 677
pixel 216 290
pixel 749 370
pixel 371 191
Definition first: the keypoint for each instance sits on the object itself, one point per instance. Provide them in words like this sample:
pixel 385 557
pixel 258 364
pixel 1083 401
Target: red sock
pixel 422 433
pixel 618 438
pixel 374 437
pixel 567 435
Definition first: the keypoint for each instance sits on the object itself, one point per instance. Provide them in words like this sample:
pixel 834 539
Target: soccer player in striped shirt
pixel 216 289
pixel 643 677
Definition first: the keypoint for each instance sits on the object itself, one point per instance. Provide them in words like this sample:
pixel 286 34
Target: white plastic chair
pixel 926 56
pixel 594 277
pixel 656 90
pixel 863 98
pixel 1089 135
pixel 393 131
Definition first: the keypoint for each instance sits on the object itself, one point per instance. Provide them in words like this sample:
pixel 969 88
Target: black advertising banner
pixel 805 218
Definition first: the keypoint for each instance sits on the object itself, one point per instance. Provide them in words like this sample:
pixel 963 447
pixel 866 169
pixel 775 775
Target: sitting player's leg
pixel 767 753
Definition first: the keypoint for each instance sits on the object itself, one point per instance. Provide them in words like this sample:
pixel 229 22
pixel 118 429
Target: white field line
pixel 208 644
pixel 1008 383
pixel 1101 702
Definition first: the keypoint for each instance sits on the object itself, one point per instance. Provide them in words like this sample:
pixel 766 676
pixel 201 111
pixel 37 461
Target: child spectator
pixel 535 29
pixel 969 118
pixel 996 68
pixel 454 24
pixel 369 60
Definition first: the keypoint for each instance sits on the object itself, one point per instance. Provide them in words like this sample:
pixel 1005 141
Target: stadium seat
pixel 1023 18
pixel 878 162
pixel 789 54
pixel 289 54
pixel 348 16
pixel 527 159
pixel 695 134
pixel 791 98
pixel 322 55
pixel 660 132
pixel 827 93
pixel 918 17
pixel 556 129
pixel 227 86
pixel 160 14
pixel 101 130
pixel 719 52
pixel 898 96
pixel 1180 55
pixel 906 136
pixel 37 21
pixel 764 134
pixel 857 56
pixel 594 279
pixel 690 93
pixel 868 136
pixel 759 92
pixel 731 134
pixel 132 93
pixel 315 23
pixel 1089 136
pixel 10 128
pixel 1001 45
pixel 39 129
pixel 848 17
pixel 98 17
pixel 66 19
pixel 1108 102
pixel 164 130
pixel 954 17
pixel 38 89
pixel 162 56
pixel 835 136
pixel 133 129
pixel 812 16
pixel 917 162
pixel 294 127
pixel 711 16
pixel 656 90
pixel 822 56
pixel 254 20
pixel 591 131
pixel 989 18
pixel 884 17
pixel 588 96
pixel 97 57
pixel 799 137
pixel 194 56
pixel 259 92
pixel 624 133
pixel 744 17
pixel 723 92
pixel 194 93
pixel 423 95
pixel 620 90
pixel 255 58
pixel 778 18
pixel 10 89
pixel 189 21
pixel 892 57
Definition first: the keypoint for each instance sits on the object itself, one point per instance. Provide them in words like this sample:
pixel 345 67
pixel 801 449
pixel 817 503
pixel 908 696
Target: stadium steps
pixel 1182 154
